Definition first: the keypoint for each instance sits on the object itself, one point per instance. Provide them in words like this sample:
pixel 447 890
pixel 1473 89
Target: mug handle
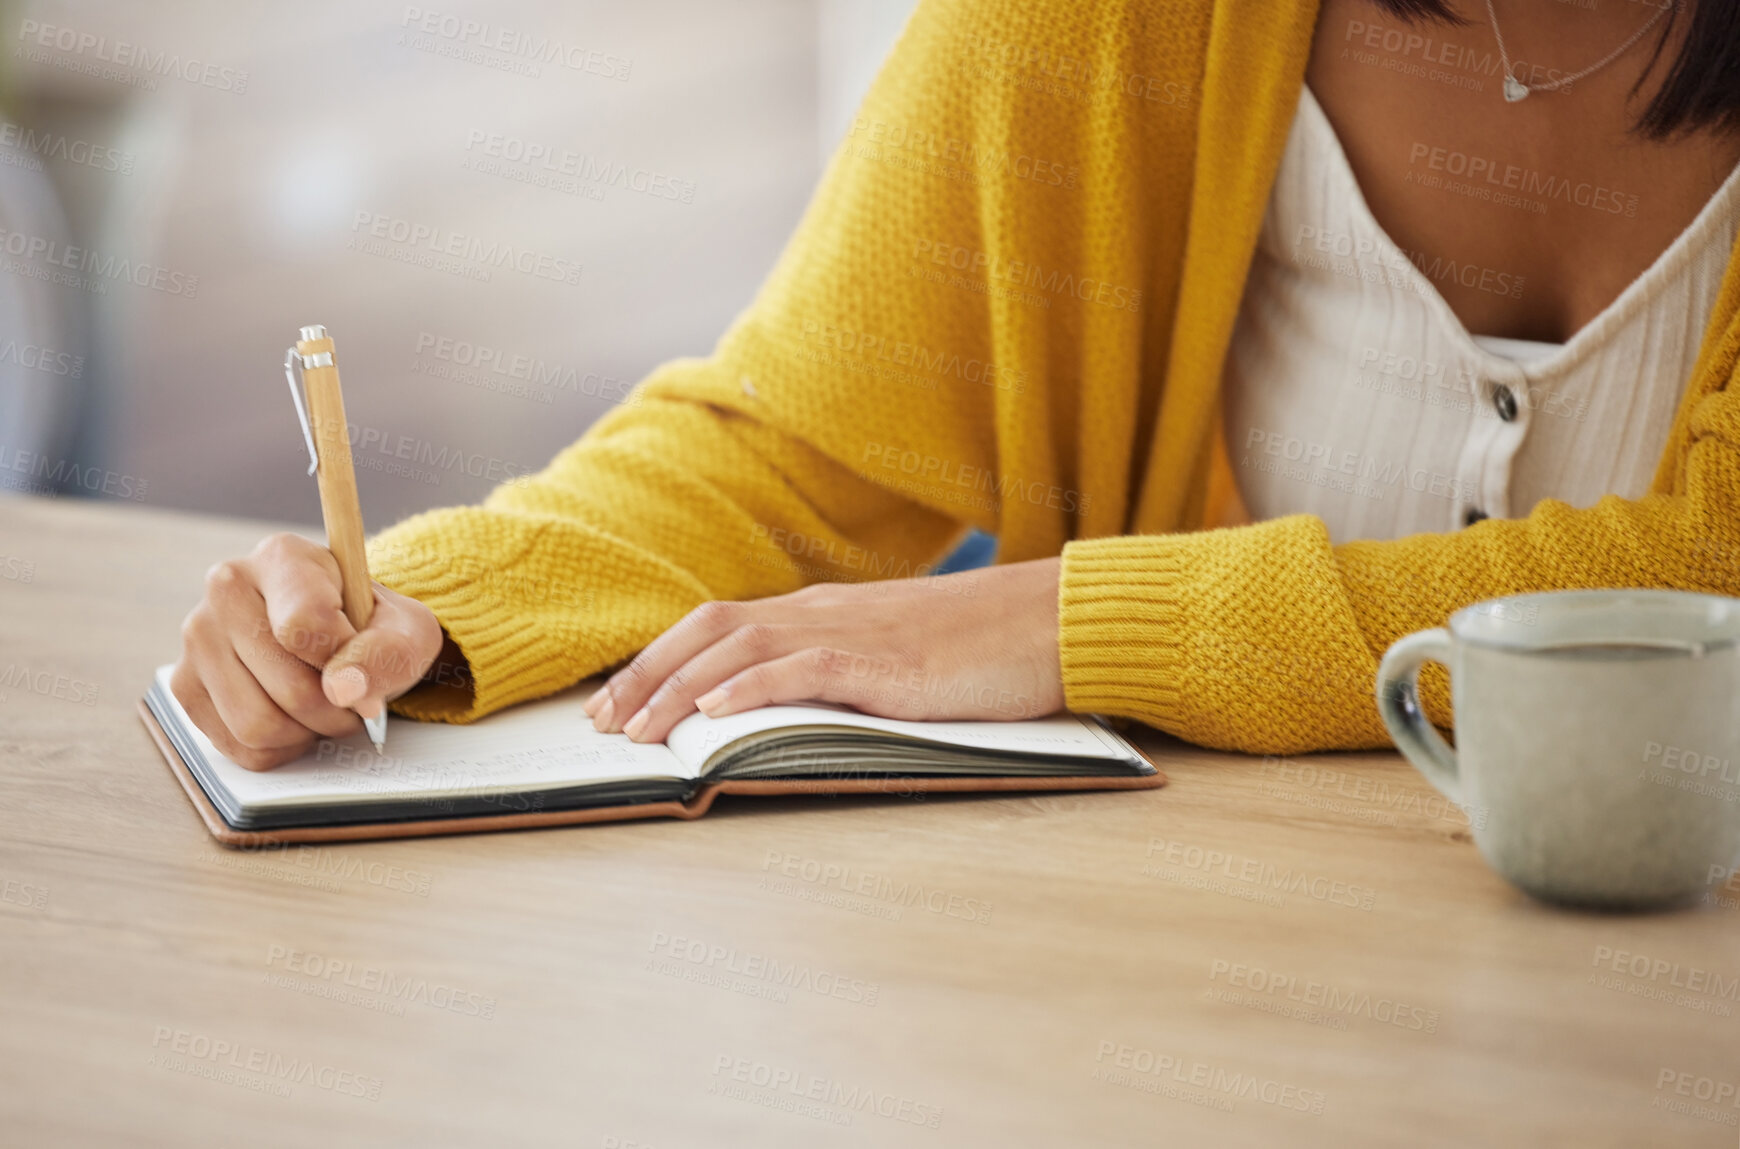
pixel 1398 699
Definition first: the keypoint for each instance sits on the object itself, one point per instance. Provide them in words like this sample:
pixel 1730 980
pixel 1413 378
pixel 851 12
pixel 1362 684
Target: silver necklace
pixel 1515 89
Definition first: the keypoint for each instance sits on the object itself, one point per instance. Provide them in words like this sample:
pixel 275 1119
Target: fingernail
pixel 711 701
pixel 595 701
pixel 601 720
pixel 636 724
pixel 369 709
pixel 346 686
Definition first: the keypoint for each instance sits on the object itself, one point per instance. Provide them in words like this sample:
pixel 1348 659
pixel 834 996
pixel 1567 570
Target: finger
pixel 244 612
pixel 386 658
pixel 626 691
pixel 296 688
pixel 815 673
pixel 303 594
pixel 218 689
pixel 204 714
pixel 200 711
pixel 244 707
pixel 674 699
pixel 248 719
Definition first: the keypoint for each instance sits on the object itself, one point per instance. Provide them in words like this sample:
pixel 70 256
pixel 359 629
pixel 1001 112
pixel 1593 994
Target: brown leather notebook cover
pixel 693 808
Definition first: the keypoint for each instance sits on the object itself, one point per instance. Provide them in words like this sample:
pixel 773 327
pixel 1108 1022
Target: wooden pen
pixel 320 406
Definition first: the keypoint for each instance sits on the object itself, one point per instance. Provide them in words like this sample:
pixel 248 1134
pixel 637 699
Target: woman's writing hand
pixel 980 644
pixel 269 663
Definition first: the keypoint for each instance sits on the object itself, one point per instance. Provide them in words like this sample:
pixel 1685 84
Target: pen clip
pixel 298 396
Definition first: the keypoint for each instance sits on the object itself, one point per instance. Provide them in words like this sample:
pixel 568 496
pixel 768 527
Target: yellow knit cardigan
pixel 1007 307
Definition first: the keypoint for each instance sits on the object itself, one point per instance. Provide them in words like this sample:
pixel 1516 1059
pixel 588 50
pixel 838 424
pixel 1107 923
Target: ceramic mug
pixel 1597 739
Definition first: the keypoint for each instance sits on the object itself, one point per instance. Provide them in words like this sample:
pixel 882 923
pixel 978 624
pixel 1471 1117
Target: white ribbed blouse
pixel 1353 392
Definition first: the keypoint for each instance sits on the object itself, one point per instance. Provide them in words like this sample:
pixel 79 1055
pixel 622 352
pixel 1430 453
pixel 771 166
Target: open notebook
pixel 542 763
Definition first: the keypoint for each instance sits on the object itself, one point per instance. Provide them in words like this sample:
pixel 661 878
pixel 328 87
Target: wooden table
pixel 1276 953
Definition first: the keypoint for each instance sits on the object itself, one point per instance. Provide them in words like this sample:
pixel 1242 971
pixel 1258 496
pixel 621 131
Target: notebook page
pixel 534 746
pixel 697 737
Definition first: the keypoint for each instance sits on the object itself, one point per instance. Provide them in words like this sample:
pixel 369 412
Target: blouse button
pixel 1504 399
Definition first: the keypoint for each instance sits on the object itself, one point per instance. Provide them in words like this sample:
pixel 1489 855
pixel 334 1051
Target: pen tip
pixel 377 730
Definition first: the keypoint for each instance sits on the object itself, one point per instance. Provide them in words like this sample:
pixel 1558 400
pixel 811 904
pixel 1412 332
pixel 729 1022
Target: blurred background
pixel 505 213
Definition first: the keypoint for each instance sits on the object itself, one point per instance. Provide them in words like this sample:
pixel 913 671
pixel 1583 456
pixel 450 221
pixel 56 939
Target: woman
pixel 1438 291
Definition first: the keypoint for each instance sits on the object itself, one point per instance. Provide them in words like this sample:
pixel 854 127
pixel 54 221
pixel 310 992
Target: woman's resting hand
pixel 980 644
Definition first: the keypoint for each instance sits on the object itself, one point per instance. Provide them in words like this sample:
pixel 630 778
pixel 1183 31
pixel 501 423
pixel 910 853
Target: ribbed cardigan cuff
pixel 507 664
pixel 1239 639
pixel 1120 615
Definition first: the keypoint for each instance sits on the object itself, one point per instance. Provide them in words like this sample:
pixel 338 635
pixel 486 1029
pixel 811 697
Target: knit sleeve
pixel 1266 638
pixel 843 429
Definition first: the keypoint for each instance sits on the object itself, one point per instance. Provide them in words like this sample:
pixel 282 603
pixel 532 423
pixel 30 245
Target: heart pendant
pixel 1514 89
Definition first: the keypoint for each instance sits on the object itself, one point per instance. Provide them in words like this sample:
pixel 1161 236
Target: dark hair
pixel 1702 86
